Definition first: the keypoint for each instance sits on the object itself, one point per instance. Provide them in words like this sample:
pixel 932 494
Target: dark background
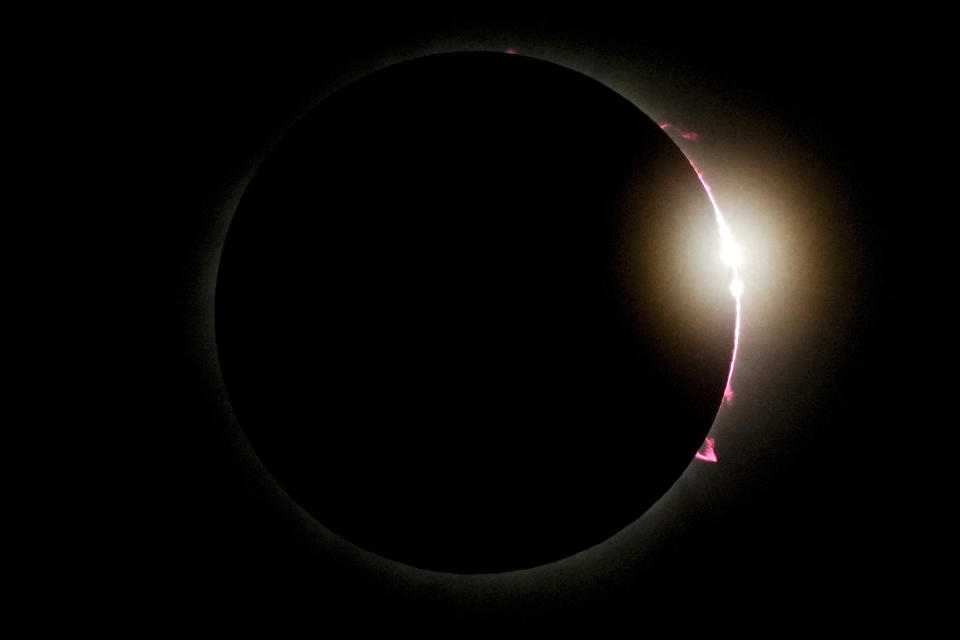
pixel 818 514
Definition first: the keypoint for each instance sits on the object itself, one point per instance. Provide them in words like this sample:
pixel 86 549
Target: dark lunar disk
pixel 463 313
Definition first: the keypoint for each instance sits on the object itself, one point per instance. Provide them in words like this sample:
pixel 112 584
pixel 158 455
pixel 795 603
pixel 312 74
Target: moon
pixel 464 315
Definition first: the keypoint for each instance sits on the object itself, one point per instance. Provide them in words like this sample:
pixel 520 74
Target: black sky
pixel 813 513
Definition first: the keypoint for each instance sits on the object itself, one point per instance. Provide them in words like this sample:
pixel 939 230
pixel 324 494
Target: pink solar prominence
pixel 706 452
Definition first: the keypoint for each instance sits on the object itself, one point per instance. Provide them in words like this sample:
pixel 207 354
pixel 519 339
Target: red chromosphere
pixel 731 256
